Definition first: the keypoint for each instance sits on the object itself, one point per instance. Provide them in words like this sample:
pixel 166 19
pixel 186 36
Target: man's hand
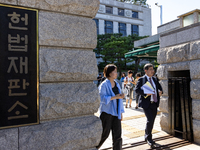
pixel 149 94
pixel 121 116
pixel 160 93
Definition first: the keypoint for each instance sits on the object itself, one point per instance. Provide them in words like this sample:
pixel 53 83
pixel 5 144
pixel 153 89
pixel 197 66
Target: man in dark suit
pixel 150 103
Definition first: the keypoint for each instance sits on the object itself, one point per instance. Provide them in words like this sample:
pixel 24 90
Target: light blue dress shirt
pixel 110 106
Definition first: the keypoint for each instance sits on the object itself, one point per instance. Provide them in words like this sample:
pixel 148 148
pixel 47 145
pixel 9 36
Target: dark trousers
pixel 137 98
pixel 150 113
pixel 110 122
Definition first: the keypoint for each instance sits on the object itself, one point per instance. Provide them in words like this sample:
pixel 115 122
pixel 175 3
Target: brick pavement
pixel 133 127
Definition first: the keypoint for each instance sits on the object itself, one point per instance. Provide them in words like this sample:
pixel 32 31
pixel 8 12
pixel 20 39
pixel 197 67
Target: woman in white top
pixel 129 82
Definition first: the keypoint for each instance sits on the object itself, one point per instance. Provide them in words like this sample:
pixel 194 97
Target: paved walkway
pixel 133 126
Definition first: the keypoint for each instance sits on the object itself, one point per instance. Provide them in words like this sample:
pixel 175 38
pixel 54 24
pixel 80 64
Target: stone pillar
pixel 101 26
pixel 196 17
pixel 128 29
pixel 68 97
pixel 115 11
pixel 141 30
pixel 115 27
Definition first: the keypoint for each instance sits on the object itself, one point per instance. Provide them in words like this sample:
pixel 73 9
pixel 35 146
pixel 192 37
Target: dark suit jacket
pixel 145 102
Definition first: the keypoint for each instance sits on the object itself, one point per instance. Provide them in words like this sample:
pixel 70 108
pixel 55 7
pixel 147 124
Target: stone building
pixel 68 98
pixel 119 17
pixel 179 58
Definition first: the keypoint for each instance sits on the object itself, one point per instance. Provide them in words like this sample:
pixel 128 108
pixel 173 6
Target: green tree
pixel 112 47
pixel 140 2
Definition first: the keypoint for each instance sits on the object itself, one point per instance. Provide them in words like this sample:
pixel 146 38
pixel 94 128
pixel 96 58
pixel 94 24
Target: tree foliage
pixel 112 47
pixel 137 2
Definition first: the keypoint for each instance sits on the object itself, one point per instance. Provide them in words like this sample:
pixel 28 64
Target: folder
pixel 148 89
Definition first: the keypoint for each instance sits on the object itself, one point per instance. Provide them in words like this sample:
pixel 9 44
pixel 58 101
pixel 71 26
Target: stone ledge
pixel 13 2
pixel 9 139
pixel 196 109
pixel 164 68
pixel 164 104
pixel 195 50
pixel 164 118
pixel 161 56
pixel 162 72
pixel 87 8
pixel 195 69
pixel 68 134
pixel 63 100
pixel 58 64
pixel 165 40
pixel 174 54
pixel 195 89
pixel 181 35
pixel 164 84
pixel 63 30
pixel 196 131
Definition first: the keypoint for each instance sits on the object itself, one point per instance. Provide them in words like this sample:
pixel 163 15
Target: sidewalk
pixel 133 126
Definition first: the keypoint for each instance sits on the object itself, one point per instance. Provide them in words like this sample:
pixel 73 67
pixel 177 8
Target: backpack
pixel 127 80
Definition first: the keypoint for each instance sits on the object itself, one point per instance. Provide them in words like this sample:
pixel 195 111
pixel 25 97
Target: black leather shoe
pixel 151 144
pixel 151 141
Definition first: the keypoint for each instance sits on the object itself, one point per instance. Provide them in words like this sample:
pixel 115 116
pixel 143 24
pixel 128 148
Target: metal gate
pixel 180 107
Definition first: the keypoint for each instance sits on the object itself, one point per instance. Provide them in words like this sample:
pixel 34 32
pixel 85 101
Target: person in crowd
pixel 149 103
pixel 122 81
pixel 99 79
pixel 111 107
pixel 103 78
pixel 138 75
pixel 129 82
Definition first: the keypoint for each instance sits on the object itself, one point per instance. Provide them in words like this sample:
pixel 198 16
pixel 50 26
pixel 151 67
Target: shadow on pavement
pixel 170 146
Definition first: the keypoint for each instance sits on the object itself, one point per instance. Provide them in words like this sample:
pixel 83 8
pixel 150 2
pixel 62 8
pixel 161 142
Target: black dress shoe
pixel 150 143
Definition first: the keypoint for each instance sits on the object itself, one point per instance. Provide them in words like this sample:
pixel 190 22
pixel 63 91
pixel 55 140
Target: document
pixel 148 89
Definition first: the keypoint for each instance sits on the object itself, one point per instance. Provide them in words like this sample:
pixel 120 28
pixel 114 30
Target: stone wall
pixel 180 50
pixel 68 97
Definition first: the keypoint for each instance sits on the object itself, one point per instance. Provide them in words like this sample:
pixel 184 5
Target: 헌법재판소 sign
pixel 18 66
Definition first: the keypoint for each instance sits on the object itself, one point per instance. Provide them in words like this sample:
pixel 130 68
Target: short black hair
pixel 99 74
pixel 138 75
pixel 108 69
pixel 130 71
pixel 147 66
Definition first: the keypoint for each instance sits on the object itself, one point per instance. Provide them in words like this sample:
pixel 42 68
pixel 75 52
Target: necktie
pixel 154 95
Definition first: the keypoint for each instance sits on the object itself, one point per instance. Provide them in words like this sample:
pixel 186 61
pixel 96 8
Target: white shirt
pixel 131 79
pixel 154 86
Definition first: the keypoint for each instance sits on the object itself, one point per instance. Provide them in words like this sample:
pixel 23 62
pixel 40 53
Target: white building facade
pixel 119 17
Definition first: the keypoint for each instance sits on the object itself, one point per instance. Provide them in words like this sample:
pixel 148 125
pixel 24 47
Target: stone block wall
pixel 180 50
pixel 67 65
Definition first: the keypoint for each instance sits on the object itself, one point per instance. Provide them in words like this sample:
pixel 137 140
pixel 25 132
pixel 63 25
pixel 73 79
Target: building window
pixel 134 29
pixel 134 14
pixel 97 24
pixel 108 27
pixel 109 10
pixel 188 20
pixel 122 29
pixel 121 12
